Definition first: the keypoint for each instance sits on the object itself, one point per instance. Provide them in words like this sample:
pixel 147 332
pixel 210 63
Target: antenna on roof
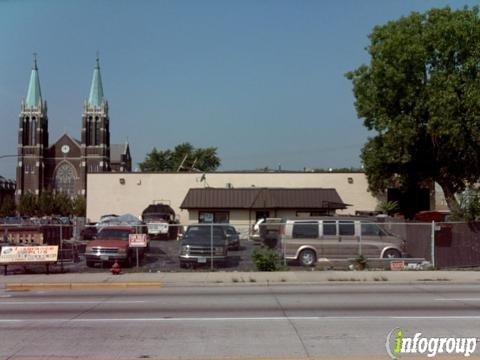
pixel 181 164
pixel 203 179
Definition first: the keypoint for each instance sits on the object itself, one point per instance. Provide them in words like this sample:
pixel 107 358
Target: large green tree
pixel 28 204
pixel 184 157
pixel 46 204
pixel 79 206
pixel 420 94
pixel 7 206
pixel 62 204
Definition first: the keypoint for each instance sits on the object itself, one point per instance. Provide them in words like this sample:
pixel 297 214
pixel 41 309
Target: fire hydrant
pixel 115 268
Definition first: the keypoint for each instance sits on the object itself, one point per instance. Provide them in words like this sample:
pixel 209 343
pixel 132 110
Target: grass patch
pixel 438 279
pixel 381 278
pixel 252 280
pixel 343 279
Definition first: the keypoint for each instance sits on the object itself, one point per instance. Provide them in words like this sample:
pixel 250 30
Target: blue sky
pixel 263 81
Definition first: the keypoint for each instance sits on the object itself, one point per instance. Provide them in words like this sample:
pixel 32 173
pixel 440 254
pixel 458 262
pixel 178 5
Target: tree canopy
pixel 184 157
pixel 48 204
pixel 420 94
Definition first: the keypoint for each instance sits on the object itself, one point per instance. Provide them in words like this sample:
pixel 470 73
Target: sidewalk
pixel 159 279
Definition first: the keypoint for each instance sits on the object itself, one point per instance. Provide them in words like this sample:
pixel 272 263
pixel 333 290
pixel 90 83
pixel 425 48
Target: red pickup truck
pixel 111 243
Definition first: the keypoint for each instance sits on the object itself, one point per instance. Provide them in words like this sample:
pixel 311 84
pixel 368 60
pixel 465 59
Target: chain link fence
pixel 334 243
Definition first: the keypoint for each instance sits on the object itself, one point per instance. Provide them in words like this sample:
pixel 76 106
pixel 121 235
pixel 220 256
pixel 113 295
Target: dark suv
pixel 202 243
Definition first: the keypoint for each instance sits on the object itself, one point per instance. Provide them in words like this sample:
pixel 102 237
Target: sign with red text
pixel 26 254
pixel 137 240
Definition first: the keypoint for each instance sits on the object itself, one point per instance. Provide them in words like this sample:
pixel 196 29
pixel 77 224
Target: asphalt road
pixel 293 321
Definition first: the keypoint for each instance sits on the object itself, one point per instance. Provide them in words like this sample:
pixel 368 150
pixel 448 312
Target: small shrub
pixel 388 207
pixel 266 260
pixel 361 262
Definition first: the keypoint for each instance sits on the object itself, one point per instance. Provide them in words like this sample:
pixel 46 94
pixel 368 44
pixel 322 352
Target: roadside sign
pixel 397 265
pixel 24 254
pixel 137 240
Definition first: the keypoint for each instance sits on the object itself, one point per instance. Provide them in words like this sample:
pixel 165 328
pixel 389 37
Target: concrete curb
pixel 81 285
pixel 157 280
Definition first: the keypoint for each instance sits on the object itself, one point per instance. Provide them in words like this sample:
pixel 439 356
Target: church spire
pixel 34 95
pixel 95 99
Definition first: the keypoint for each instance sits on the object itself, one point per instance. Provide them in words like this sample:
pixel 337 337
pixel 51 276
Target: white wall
pixel 106 194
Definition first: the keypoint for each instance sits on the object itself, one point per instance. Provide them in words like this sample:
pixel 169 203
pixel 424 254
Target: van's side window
pixel 371 230
pixel 329 228
pixel 346 228
pixel 305 230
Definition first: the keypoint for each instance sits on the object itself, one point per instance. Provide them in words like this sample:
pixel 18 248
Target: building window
pixel 311 213
pixel 217 217
pixel 65 179
pixel 261 215
pixel 26 130
pixel 33 131
pixel 97 131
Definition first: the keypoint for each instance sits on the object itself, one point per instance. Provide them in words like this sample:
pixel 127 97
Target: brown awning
pixel 263 198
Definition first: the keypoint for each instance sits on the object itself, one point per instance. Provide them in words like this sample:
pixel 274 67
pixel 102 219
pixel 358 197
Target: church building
pixel 64 165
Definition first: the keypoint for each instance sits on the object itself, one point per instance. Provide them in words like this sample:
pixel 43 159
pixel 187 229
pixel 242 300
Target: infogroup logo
pixel 399 344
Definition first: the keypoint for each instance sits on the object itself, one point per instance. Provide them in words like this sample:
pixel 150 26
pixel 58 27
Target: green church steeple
pixel 95 99
pixel 34 95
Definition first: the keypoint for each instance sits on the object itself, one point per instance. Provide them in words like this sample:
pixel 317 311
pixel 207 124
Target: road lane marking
pixel 231 319
pixel 77 286
pixel 459 299
pixel 86 302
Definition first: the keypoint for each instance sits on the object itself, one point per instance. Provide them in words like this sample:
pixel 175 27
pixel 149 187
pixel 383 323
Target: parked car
pixel 200 244
pixel 161 221
pixel 110 244
pixel 266 231
pixel 270 231
pixel 233 237
pixel 88 232
pixel 308 240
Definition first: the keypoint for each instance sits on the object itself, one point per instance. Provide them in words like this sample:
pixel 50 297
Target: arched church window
pixel 26 130
pixel 33 131
pixel 65 179
pixel 97 132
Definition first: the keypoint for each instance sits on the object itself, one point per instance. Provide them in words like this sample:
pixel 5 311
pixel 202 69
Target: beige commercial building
pixel 120 193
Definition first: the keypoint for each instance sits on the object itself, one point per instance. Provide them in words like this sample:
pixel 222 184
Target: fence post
pixel 433 244
pixel 360 249
pixel 61 247
pixel 211 246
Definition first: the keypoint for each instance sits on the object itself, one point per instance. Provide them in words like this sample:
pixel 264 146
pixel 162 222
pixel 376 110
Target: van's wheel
pixel 307 257
pixel 392 254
